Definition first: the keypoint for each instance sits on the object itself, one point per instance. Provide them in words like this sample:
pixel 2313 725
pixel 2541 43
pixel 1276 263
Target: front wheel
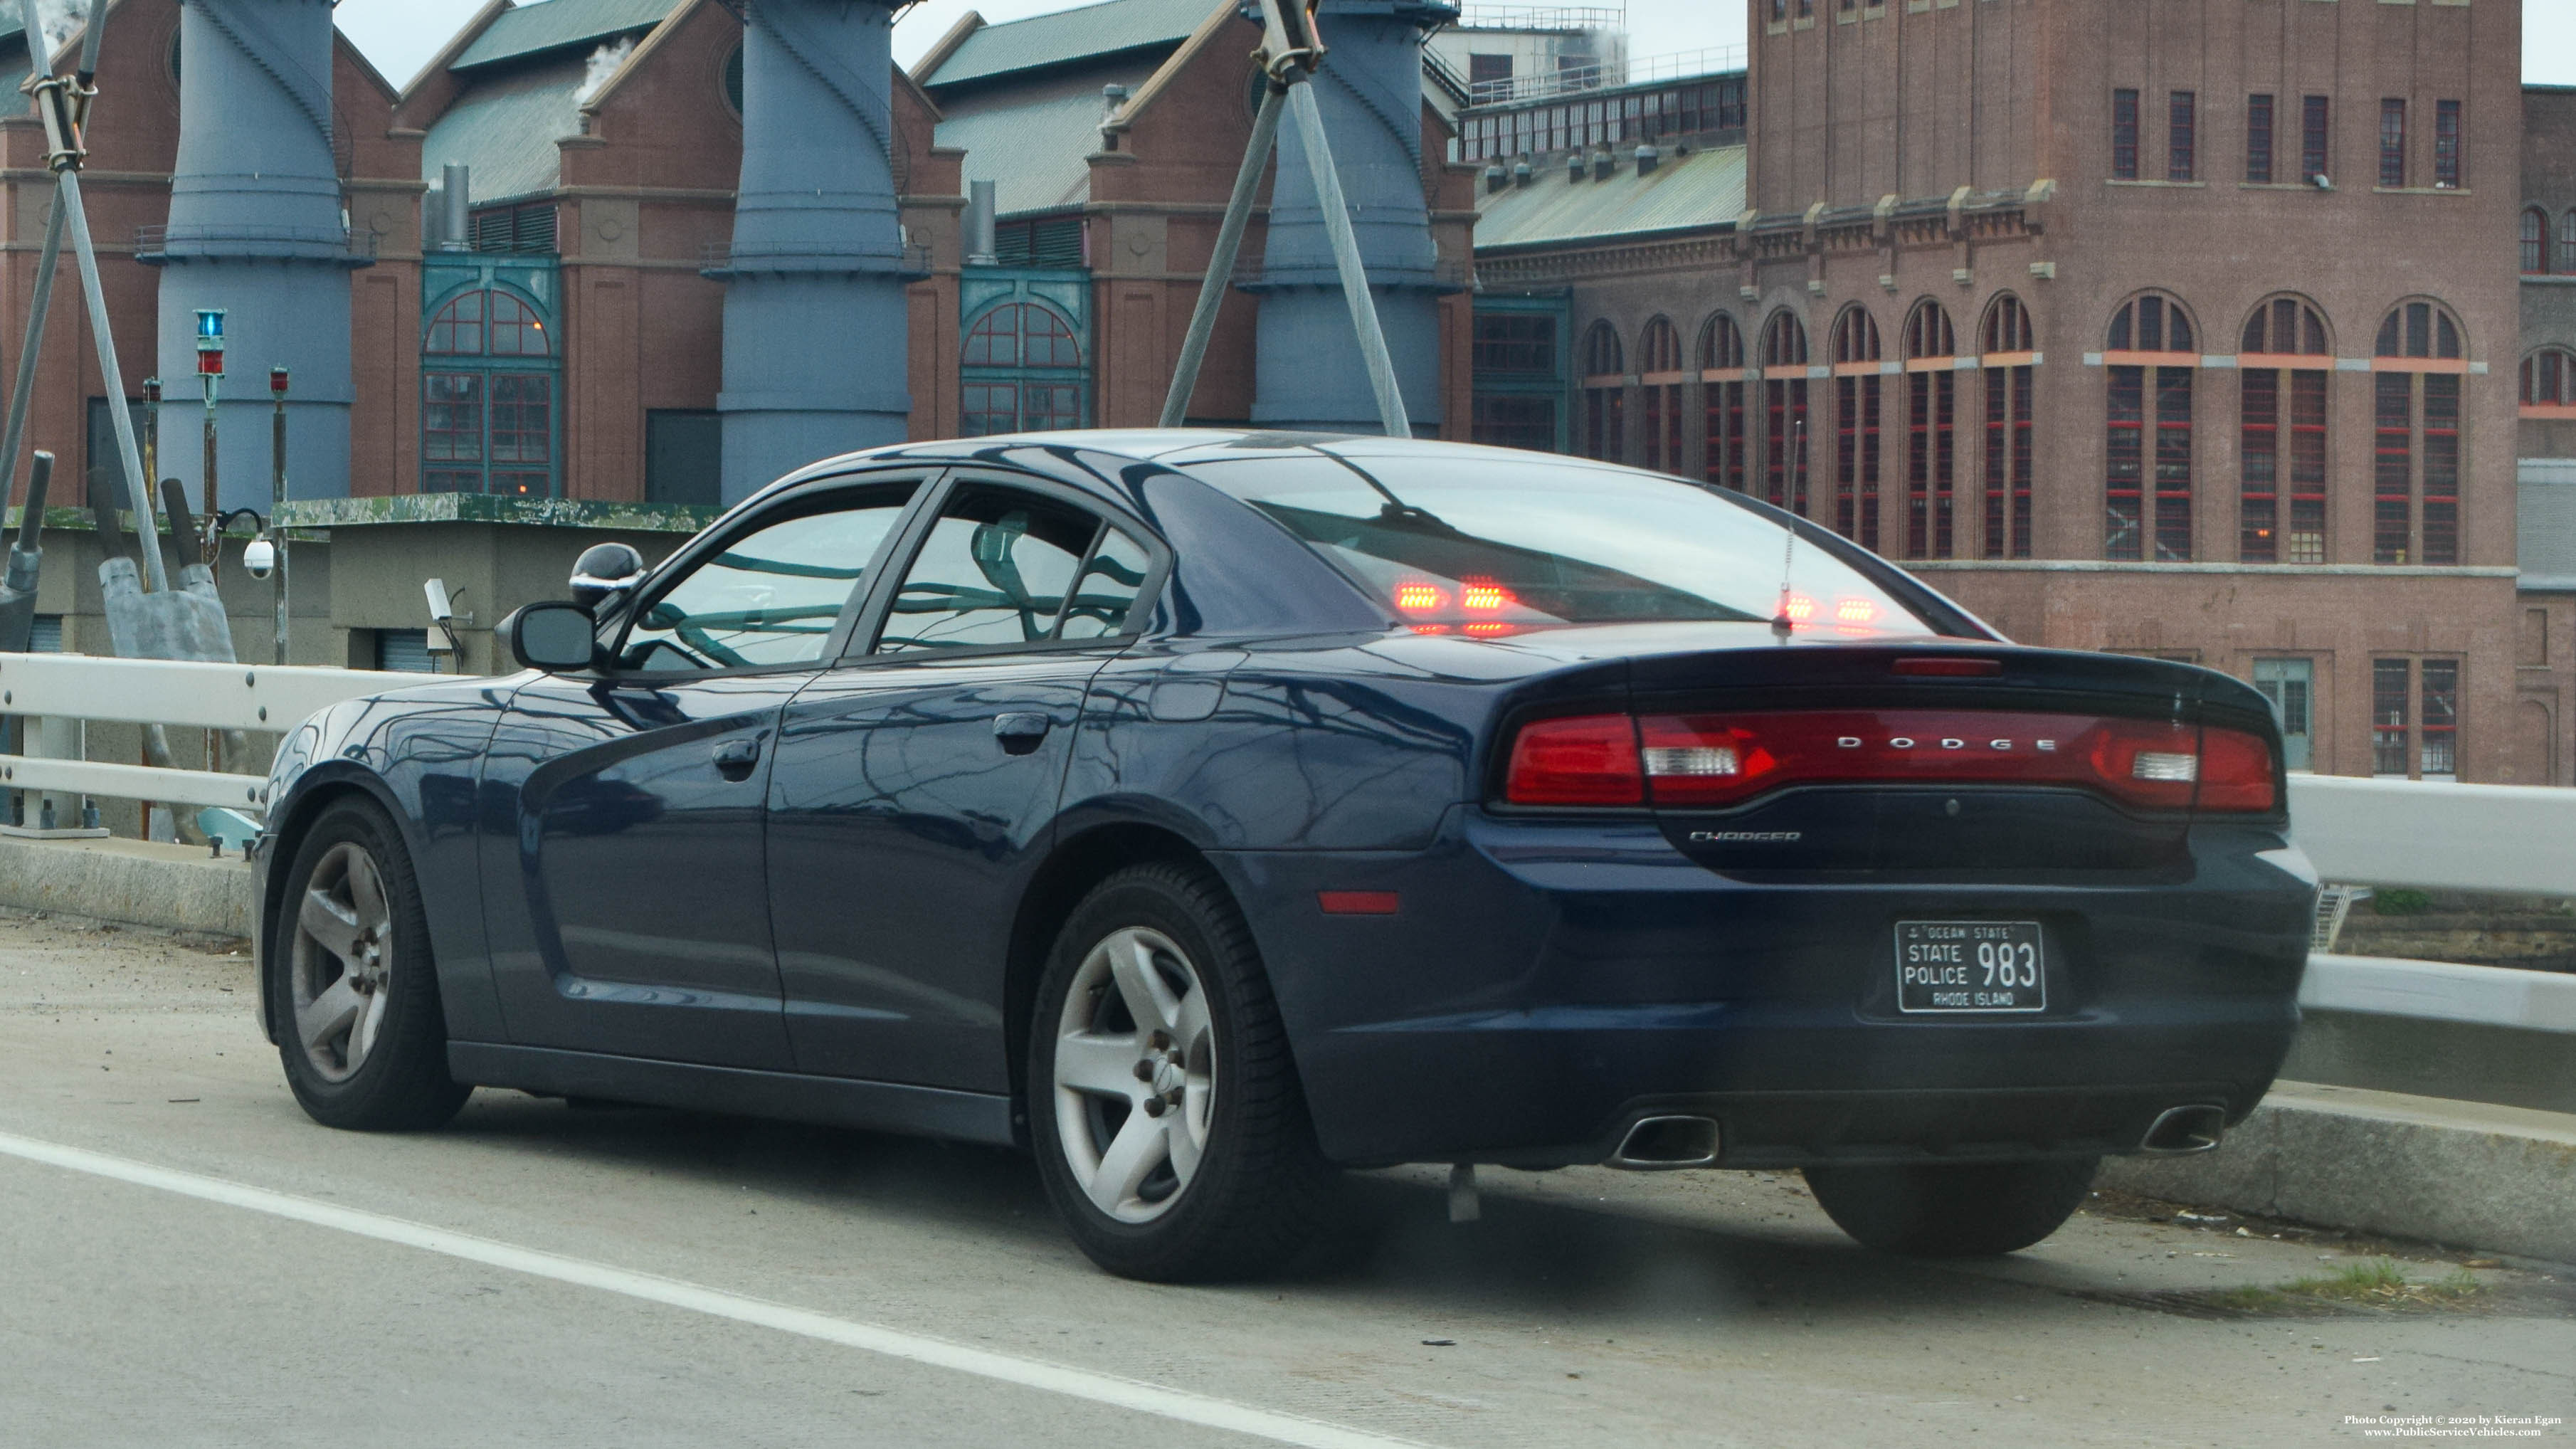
pixel 1964 1210
pixel 1169 1124
pixel 351 982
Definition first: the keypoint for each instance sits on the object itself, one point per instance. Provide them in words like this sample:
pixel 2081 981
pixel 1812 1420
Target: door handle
pixel 1021 731
pixel 734 758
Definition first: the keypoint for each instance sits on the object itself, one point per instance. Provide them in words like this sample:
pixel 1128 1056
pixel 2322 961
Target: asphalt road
pixel 187 1260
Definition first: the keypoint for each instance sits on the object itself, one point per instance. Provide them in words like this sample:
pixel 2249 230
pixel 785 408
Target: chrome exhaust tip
pixel 2178 1131
pixel 1663 1144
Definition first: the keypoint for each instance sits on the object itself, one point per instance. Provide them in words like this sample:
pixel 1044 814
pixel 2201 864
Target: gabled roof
pixel 506 130
pixel 1066 37
pixel 1704 188
pixel 1033 140
pixel 533 29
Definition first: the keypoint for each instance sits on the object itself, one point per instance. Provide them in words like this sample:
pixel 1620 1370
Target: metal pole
pixel 69 200
pixel 1229 242
pixel 1346 258
pixel 22 391
pixel 212 510
pixel 277 499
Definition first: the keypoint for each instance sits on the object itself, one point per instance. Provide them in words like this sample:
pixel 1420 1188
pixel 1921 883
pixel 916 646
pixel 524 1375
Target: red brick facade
pixel 1946 169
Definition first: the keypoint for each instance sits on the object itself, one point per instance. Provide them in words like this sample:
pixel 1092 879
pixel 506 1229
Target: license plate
pixel 1970 966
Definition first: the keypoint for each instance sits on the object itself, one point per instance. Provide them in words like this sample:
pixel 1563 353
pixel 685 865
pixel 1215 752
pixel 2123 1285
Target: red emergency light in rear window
pixel 1714 761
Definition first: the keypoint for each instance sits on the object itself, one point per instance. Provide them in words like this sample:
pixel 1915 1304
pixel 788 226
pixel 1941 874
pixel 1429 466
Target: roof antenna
pixel 1781 624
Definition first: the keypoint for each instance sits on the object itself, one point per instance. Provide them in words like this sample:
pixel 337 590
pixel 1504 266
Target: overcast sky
pixel 401 35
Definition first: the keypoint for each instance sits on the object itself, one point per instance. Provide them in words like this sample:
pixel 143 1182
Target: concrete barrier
pixel 2464 1174
pixel 140 882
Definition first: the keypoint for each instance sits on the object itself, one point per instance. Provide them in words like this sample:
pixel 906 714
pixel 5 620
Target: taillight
pixel 2236 772
pixel 1717 760
pixel 1590 760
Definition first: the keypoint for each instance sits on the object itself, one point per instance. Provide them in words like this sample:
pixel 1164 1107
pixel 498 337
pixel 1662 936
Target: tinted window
pixel 1107 591
pixel 994 570
pixel 1489 542
pixel 770 596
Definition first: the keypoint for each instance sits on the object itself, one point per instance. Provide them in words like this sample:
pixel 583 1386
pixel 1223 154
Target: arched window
pixel 1021 371
pixel 1931 431
pixel 2418 369
pixel 1605 395
pixel 2283 364
pixel 1784 412
pixel 1857 414
pixel 1659 356
pixel 2549 379
pixel 487 397
pixel 2152 353
pixel 1721 361
pixel 2004 340
pixel 2535 241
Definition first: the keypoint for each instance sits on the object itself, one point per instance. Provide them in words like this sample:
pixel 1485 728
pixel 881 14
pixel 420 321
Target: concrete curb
pixel 2463 1174
pixel 139 882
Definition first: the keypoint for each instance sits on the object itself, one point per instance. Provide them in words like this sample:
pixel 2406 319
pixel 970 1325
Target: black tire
pixel 1967 1210
pixel 400 1080
pixel 1259 1187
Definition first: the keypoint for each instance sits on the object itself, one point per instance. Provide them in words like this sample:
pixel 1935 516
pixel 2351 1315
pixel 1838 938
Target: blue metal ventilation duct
pixel 1306 358
pixel 256 228
pixel 815 324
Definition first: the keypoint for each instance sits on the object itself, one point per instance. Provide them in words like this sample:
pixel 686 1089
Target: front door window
pixel 770 597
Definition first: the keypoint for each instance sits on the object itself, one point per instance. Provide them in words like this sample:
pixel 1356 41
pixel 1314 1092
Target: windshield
pixel 1488 544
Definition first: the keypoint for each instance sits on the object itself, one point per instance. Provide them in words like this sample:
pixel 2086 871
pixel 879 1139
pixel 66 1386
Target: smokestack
pixel 816 326
pixel 455 207
pixel 256 229
pixel 1307 371
pixel 982 250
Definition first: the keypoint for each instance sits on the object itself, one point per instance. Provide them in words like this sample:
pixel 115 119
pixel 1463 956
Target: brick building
pixel 2545 667
pixel 2183 329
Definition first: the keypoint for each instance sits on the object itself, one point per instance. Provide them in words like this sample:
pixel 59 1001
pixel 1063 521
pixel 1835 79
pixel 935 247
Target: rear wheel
pixel 1964 1210
pixel 1169 1125
pixel 351 982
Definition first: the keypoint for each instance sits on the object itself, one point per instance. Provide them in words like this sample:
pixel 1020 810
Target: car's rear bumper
pixel 1544 987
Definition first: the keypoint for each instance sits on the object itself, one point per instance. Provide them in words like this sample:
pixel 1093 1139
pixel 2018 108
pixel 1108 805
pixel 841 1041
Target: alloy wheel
pixel 1135 1074
pixel 341 961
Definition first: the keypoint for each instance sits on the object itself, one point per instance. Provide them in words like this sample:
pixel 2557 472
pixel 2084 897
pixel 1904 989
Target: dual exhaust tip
pixel 1665 1144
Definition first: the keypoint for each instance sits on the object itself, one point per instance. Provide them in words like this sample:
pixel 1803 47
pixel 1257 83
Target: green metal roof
pixel 1705 188
pixel 1031 140
pixel 506 129
pixel 552 24
pixel 1085 33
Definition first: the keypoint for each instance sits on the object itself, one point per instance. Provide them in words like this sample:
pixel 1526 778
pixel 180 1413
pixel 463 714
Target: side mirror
pixel 603 570
pixel 551 637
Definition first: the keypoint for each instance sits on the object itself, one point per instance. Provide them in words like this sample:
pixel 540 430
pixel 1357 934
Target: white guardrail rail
pixel 259 697
pixel 2514 839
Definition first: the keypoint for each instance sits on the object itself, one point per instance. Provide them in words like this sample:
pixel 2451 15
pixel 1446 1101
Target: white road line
pixel 1099 1388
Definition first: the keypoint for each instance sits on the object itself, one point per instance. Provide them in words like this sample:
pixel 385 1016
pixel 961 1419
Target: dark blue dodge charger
pixel 1210 810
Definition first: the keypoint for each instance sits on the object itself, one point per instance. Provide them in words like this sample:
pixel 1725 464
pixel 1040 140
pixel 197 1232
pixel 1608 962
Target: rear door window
pixel 996 569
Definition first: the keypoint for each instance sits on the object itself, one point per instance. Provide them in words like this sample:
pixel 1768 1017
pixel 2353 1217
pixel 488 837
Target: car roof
pixel 1175 448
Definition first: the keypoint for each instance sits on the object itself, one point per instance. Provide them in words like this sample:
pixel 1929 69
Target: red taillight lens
pixel 1714 761
pixel 1588 760
pixel 2236 772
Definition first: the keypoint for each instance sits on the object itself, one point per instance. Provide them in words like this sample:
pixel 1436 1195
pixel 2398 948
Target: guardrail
pixel 272 698
pixel 2513 839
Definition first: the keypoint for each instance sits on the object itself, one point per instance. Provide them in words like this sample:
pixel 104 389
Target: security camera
pixel 439 610
pixel 259 557
pixel 2322 183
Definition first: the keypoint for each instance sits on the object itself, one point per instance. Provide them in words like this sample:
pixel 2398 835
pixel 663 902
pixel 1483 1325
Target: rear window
pixel 1488 543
